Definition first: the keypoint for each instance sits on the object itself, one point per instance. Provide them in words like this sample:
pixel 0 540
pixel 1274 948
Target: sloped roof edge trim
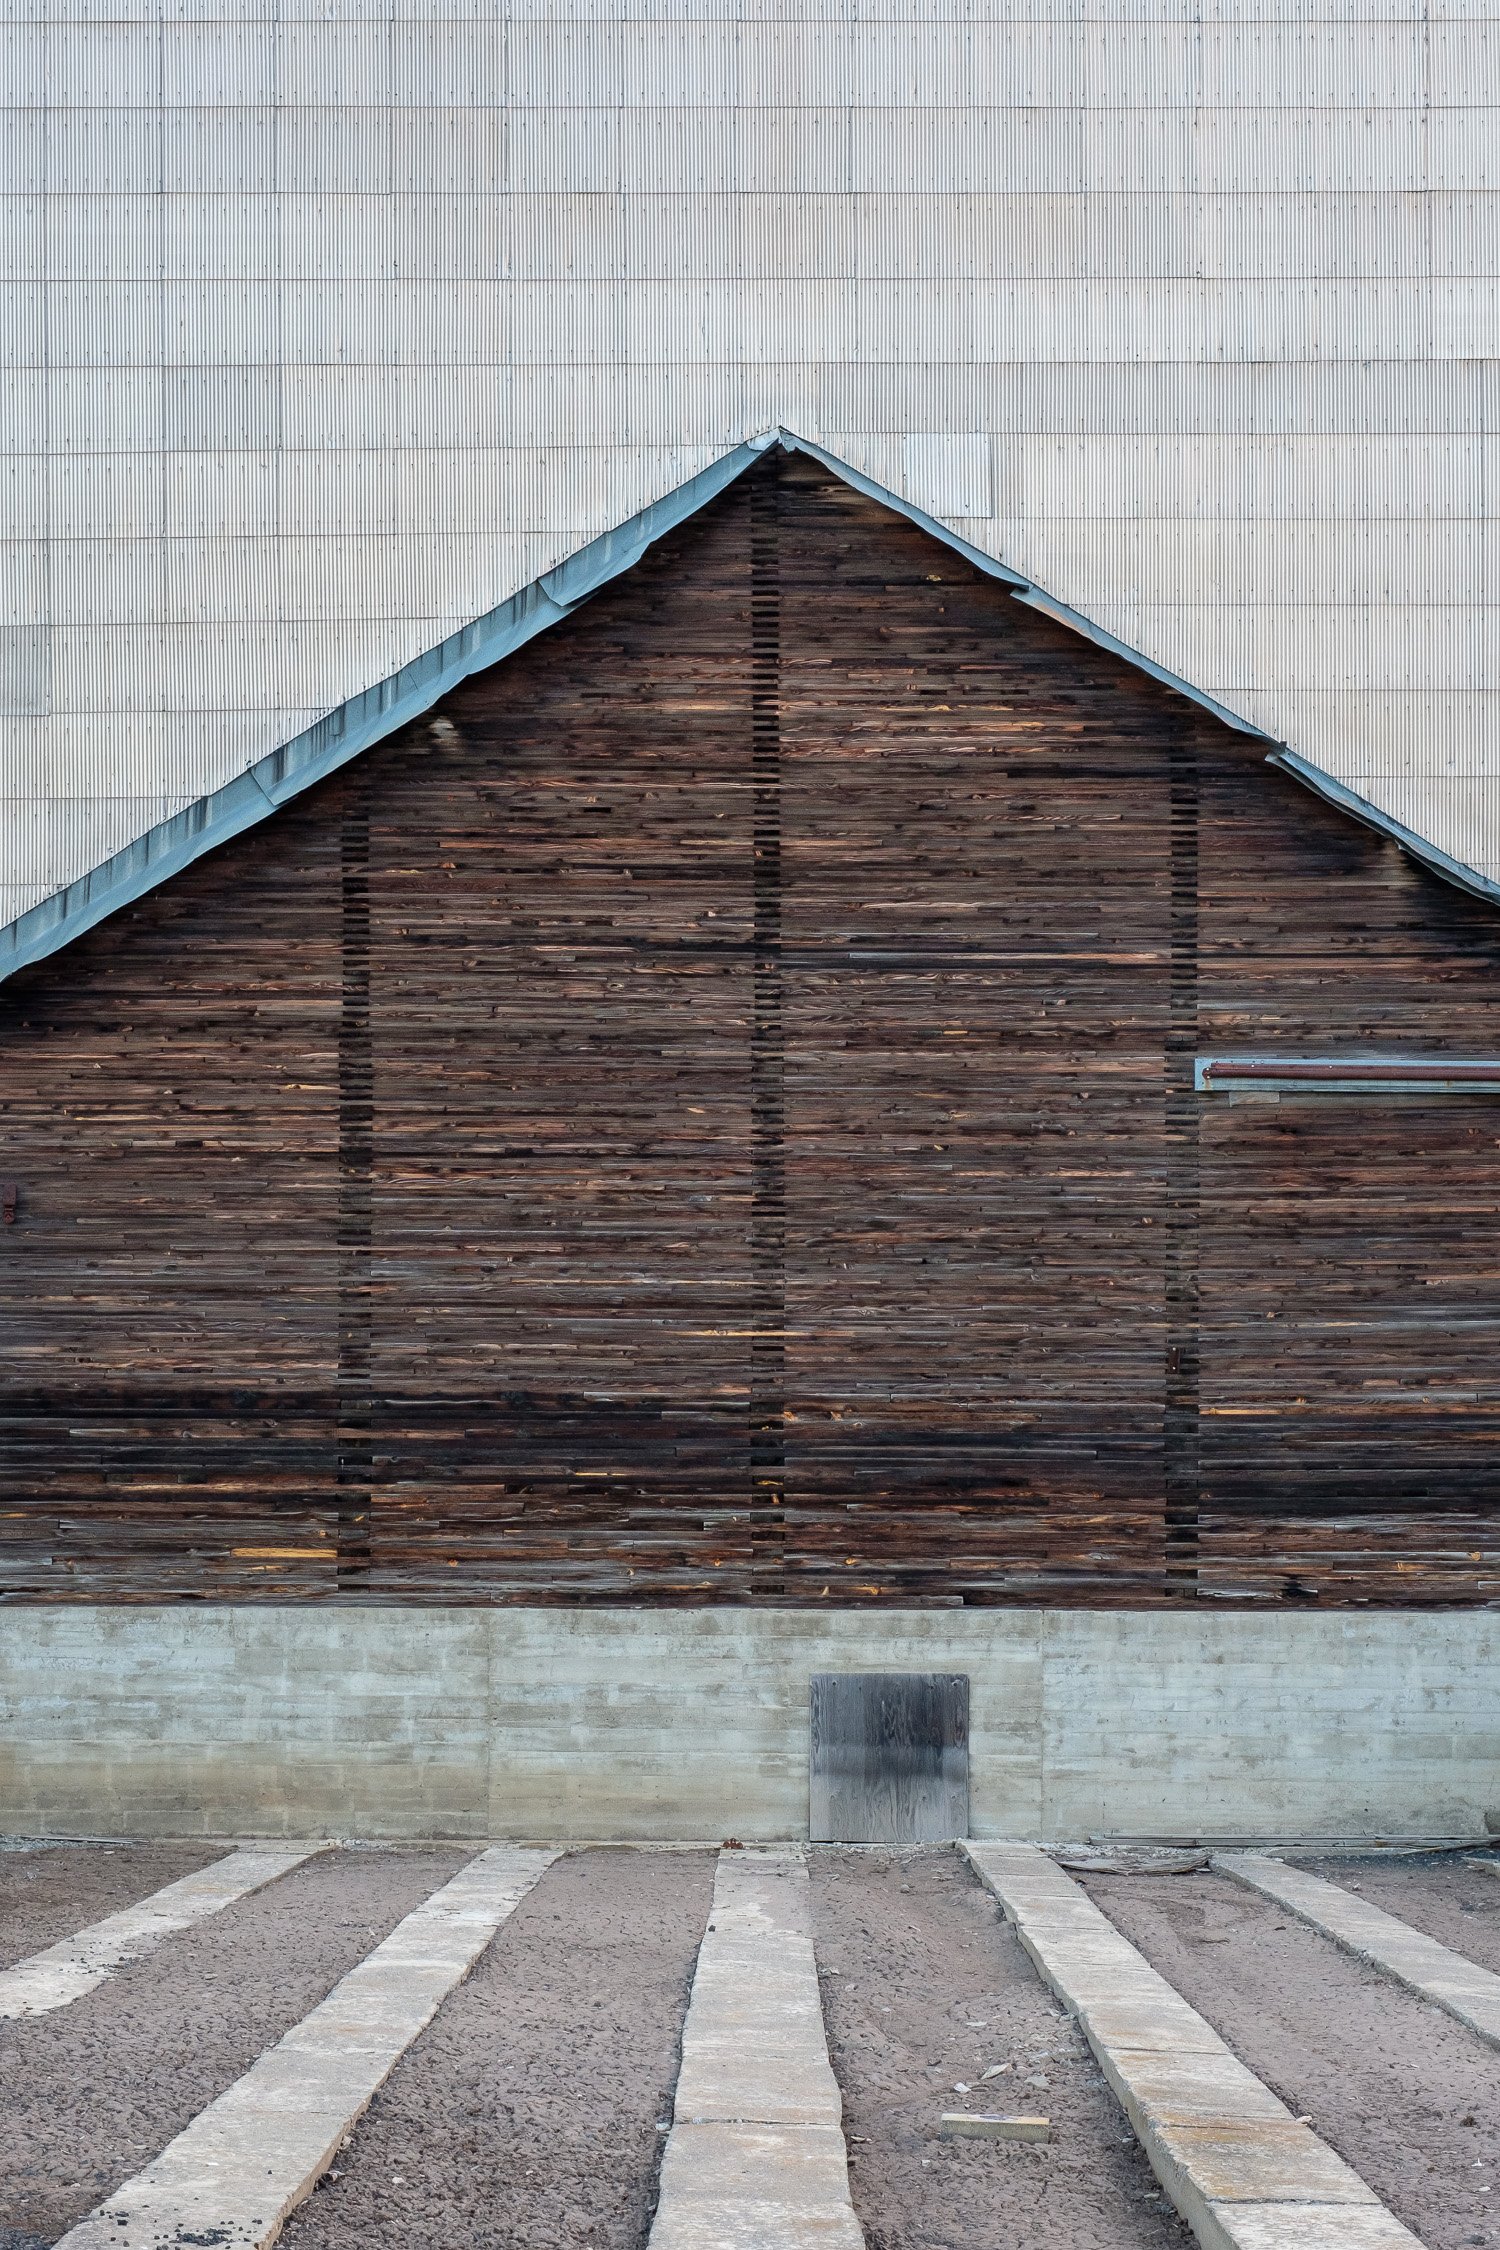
pixel 378 711
pixel 1432 856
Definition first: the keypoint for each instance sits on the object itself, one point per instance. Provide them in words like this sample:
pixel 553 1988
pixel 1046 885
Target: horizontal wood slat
pixel 708 1116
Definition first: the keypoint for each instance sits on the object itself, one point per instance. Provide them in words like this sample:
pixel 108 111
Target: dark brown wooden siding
pixel 708 1116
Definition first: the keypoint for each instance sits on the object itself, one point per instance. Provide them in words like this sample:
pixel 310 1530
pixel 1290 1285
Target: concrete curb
pixel 756 2159
pixel 1433 1971
pixel 75 1965
pixel 1239 2167
pixel 251 2157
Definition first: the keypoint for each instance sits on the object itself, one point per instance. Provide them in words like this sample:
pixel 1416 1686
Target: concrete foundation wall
pixel 660 1724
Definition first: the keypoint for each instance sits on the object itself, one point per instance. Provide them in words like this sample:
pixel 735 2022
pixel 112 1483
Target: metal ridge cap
pixel 1246 1076
pixel 793 442
pixel 1367 1066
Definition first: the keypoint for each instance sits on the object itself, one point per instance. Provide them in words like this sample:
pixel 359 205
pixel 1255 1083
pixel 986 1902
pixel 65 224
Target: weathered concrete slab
pixel 75 1965
pixel 1094 1971
pixel 1244 2173
pixel 754 2050
pixel 1304 2226
pixel 232 2177
pixel 1200 2086
pixel 756 2159
pixel 1434 1972
pixel 755 2187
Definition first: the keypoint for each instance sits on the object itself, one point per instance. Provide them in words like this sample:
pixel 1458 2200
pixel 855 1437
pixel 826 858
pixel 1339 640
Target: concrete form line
pixel 250 2158
pixel 1239 2167
pixel 72 1967
pixel 1434 1972
pixel 755 2159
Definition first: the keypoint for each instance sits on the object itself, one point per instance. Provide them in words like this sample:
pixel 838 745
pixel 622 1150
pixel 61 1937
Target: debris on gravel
pixel 976 2125
pixel 935 1990
pixel 1130 1859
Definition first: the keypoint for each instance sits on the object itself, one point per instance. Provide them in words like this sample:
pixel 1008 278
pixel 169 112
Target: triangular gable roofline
pixel 376 712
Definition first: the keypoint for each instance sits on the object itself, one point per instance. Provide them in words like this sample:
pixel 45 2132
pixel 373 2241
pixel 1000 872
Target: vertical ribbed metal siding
pixel 329 335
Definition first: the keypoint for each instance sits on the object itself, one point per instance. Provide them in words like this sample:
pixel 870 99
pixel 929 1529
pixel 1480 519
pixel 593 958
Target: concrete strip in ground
pixel 756 2159
pixel 248 2159
pixel 1433 1971
pixel 1239 2167
pixel 75 1965
pixel 1489 1866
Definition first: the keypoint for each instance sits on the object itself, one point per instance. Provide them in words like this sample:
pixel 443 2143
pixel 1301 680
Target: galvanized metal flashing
pixel 1432 857
pixel 357 725
pixel 380 710
pixel 1034 598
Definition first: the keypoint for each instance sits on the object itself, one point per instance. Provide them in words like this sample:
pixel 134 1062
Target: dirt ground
pixel 49 1893
pixel 90 2094
pixel 924 1987
pixel 1403 2092
pixel 531 2113
pixel 527 2114
pixel 1456 1904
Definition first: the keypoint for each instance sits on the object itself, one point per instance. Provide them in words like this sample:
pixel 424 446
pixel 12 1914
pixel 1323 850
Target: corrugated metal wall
pixel 337 324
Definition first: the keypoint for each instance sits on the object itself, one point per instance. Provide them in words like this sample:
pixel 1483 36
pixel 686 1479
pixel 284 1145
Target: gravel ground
pixel 931 1988
pixel 1405 2094
pixel 526 2115
pixel 47 1894
pixel 90 2094
pixel 1458 1905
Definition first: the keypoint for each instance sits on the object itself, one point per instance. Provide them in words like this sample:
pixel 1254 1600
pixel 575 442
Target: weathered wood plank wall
pixel 708 1116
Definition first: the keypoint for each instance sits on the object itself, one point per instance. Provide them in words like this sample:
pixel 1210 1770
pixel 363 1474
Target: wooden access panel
pixel 708 1116
pixel 888 1757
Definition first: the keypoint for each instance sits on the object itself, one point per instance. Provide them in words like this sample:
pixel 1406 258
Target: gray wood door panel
pixel 890 1757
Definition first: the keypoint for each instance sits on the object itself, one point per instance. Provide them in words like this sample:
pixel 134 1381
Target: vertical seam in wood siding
pixel 767 1052
pixel 1181 1407
pixel 356 1127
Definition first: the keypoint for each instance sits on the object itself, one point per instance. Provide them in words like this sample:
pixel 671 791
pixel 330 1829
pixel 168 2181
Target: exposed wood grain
pixel 707 1117
pixel 888 1757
